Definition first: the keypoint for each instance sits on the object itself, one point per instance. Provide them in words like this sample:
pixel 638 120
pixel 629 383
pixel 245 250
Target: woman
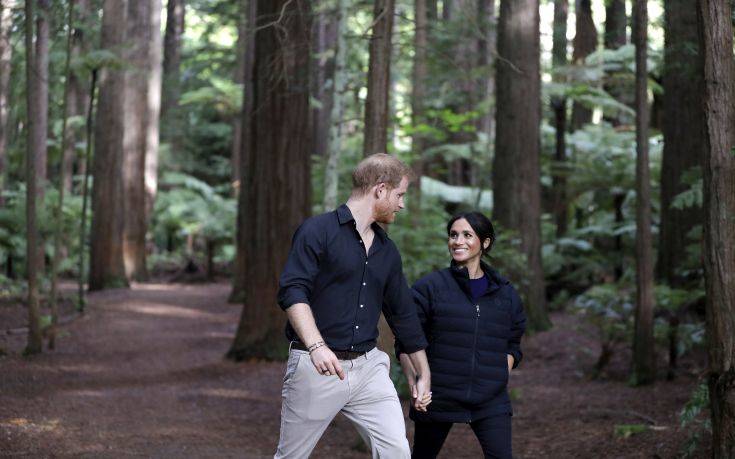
pixel 473 320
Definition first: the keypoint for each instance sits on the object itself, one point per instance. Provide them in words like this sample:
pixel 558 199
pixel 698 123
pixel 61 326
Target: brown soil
pixel 143 374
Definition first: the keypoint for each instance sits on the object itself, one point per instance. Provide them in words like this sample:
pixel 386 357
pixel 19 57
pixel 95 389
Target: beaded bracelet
pixel 315 346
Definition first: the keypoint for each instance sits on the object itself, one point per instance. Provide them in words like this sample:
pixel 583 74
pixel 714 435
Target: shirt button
pixel 364 283
pixel 357 326
pixel 362 305
pixel 360 242
pixel 352 347
pixel 366 262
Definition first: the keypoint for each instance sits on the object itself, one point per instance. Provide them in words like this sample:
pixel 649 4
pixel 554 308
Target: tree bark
pixel 277 179
pixel 41 79
pixel 334 146
pixel 616 23
pixel 420 73
pixel 76 97
pixel 324 43
pixel 378 82
pixel 683 135
pixel 107 268
pixel 6 53
pixel 34 137
pixel 644 364
pixel 516 171
pixel 488 47
pixel 716 41
pixel 238 281
pixel 585 43
pixel 140 133
pixel 170 112
pixel 241 50
pixel 559 108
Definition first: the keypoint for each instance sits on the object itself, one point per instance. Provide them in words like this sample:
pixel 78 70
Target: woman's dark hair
pixel 481 225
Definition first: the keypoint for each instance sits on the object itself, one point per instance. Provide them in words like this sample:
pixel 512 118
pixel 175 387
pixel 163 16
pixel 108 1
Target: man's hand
pixel 511 361
pixel 326 363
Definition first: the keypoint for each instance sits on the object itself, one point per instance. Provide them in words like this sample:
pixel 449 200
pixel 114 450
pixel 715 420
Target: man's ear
pixel 379 189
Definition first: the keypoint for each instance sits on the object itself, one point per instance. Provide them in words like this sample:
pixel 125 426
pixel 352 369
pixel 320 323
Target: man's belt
pixel 341 355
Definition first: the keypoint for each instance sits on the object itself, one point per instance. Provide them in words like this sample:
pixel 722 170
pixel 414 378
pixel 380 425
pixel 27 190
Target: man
pixel 341 271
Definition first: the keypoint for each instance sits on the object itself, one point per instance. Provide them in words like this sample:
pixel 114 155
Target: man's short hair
pixel 379 168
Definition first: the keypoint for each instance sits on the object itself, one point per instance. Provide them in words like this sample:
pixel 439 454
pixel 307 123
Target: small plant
pixel 691 416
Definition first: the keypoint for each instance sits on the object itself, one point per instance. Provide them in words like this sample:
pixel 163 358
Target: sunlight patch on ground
pixel 165 310
pixel 30 426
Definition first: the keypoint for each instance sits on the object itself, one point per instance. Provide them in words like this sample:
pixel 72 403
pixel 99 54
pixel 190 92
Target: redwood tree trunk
pixel 418 95
pixel 644 364
pixel 238 278
pixel 240 49
pixel 6 52
pixel 106 237
pixel 683 135
pixel 34 140
pixel 585 43
pixel 76 97
pixel 334 145
pixel 324 45
pixel 277 179
pixel 516 170
pixel 378 83
pixel 170 112
pixel 559 107
pixel 140 136
pixel 716 40
pixel 617 84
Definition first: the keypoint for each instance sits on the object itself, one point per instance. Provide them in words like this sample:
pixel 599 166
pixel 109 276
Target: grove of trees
pixel 187 140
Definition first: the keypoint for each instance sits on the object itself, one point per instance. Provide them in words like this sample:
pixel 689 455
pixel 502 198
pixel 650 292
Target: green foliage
pixel 189 207
pixel 609 307
pixel 628 430
pixel 693 416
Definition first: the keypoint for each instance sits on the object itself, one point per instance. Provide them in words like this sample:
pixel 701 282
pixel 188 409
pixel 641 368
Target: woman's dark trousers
pixel 494 434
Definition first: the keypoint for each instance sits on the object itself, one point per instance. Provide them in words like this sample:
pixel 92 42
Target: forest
pixel 156 157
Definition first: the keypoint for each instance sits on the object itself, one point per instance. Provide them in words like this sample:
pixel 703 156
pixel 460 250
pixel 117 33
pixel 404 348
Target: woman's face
pixel 464 245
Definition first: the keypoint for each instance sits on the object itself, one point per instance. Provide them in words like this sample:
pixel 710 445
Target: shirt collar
pixel 344 215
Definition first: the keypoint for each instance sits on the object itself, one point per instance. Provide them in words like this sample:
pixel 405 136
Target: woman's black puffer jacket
pixel 468 343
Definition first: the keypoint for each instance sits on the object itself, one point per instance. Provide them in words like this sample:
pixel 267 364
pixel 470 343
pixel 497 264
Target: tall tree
pixel 238 282
pixel 616 22
pixel 488 50
pixel 140 133
pixel 241 51
pixel 585 43
pixel 718 165
pixel 35 138
pixel 277 180
pixel 559 108
pixel 644 365
pixel 420 73
pixel 106 267
pixel 76 95
pixel 170 111
pixel 683 134
pixel 516 171
pixel 616 83
pixel 58 231
pixel 378 82
pixel 334 145
pixel 41 79
pixel 6 53
pixel 324 43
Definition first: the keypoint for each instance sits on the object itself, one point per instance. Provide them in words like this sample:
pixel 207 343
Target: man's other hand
pixel 326 363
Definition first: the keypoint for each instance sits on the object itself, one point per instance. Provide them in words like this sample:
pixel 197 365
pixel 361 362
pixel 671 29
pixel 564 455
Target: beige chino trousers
pixel 366 397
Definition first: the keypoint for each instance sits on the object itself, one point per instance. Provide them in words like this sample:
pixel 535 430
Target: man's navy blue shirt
pixel 328 269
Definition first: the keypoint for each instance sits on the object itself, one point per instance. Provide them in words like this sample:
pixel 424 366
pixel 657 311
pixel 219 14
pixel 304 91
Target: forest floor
pixel 142 373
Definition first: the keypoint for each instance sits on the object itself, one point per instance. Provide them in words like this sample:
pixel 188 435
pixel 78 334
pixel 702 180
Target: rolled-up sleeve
pixel 422 301
pixel 518 328
pixel 302 266
pixel 400 311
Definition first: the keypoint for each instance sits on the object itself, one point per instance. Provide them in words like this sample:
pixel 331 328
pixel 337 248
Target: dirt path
pixel 142 374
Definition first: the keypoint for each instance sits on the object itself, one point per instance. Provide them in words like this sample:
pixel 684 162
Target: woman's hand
pixel 410 372
pixel 511 361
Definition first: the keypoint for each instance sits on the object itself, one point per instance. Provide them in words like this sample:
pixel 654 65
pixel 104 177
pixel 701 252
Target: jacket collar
pixel 462 276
